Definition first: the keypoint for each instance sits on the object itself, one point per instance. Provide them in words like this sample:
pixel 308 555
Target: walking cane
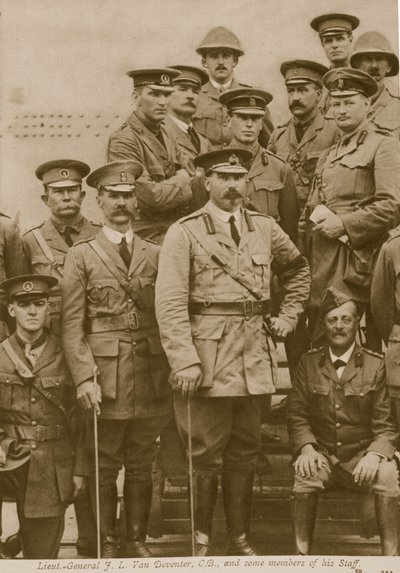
pixel 96 468
pixel 191 487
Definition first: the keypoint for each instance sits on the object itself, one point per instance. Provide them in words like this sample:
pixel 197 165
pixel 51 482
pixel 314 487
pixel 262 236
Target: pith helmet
pixel 220 37
pixel 375 43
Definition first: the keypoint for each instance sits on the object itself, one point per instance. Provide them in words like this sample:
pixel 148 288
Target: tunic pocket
pixel 207 332
pixel 9 384
pixel 265 198
pixel 151 369
pixel 105 352
pixel 97 291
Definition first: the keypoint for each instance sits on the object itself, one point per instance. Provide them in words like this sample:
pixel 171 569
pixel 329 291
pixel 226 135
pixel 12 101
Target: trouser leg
pixel 86 525
pixel 41 538
pixel 206 496
pixel 140 450
pixel 388 517
pixel 304 511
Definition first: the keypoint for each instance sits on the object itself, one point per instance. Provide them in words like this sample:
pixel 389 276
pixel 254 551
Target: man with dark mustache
pixel 301 140
pixel 373 54
pixel 220 50
pixel 164 190
pixel 45 249
pixel 212 292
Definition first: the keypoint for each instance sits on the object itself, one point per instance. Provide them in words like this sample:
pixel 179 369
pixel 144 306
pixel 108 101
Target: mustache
pixel 296 104
pixel 220 67
pixel 232 194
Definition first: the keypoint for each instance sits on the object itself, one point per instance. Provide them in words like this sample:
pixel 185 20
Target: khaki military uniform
pixel 271 190
pixel 200 195
pixel 359 180
pixel 211 118
pixel 39 262
pixel 163 194
pixel 303 156
pixel 35 434
pixel 112 329
pixel 12 264
pixel 343 418
pixel 385 113
pixel 236 356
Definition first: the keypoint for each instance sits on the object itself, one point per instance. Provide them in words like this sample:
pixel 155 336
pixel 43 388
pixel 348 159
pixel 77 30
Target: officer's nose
pixel 32 309
pixel 66 196
pixel 121 200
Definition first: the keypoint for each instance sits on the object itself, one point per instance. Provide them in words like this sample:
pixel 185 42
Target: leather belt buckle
pixel 248 308
pixel 39 433
pixel 133 321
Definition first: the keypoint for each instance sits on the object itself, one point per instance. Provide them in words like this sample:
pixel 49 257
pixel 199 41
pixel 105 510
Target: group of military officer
pixel 105 320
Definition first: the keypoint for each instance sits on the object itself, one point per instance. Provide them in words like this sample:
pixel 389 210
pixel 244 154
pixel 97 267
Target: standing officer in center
pixel 109 328
pixel 212 292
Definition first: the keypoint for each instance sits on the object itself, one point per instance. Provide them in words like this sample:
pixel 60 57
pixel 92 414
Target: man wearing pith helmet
pixel 355 197
pixel 220 50
pixel 39 463
pixel 373 54
pixel 300 140
pixel 212 292
pixel 336 35
pixel 112 346
pixel 163 191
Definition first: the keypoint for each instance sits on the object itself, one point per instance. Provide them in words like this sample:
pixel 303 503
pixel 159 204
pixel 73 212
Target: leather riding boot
pixel 304 511
pixel 137 497
pixel 237 491
pixel 108 516
pixel 388 517
pixel 12 545
pixel 206 497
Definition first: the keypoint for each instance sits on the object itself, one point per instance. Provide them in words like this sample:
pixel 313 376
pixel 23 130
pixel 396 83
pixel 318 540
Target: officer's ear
pixel 45 197
pixel 99 198
pixel 367 104
pixel 319 92
pixel 207 184
pixel 235 61
pixel 11 310
pixel 203 62
pixel 83 194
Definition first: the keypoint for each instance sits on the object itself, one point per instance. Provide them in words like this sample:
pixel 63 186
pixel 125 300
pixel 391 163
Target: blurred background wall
pixel 63 64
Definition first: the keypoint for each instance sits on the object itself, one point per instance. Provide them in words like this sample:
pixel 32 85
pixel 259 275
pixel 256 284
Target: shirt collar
pixel 222 215
pixel 219 86
pixel 181 124
pixel 76 224
pixel 345 357
pixel 116 237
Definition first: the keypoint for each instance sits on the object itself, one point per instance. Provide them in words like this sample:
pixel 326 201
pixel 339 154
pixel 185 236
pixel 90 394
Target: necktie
pixel 339 364
pixel 124 252
pixel 194 138
pixel 299 129
pixel 234 232
pixel 67 236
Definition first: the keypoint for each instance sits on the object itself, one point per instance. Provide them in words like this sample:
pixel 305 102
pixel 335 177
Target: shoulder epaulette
pixel 244 85
pixel 275 156
pixel 81 241
pixel 258 214
pixel 99 225
pixel 393 233
pixel 315 350
pixel 372 353
pixel 152 242
pixel 284 124
pixel 33 228
pixel 4 215
pixel 193 215
pixel 385 132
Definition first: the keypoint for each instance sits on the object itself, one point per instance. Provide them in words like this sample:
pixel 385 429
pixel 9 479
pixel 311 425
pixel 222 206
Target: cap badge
pixel 122 176
pixel 340 83
pixel 252 101
pixel 165 79
pixel 64 173
pixel 233 159
pixel 27 286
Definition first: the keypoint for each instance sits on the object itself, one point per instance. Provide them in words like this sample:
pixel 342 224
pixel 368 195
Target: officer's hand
pixel 87 397
pixel 331 227
pixel 188 380
pixel 365 471
pixel 79 486
pixel 280 327
pixel 184 176
pixel 3 457
pixel 309 461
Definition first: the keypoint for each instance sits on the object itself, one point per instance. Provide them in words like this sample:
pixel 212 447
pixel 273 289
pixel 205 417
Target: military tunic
pixel 385 113
pixel 12 264
pixel 303 156
pixel 211 118
pixel 236 357
pixel 39 263
pixel 343 418
pixel 163 191
pixel 34 433
pixel 359 180
pixel 271 190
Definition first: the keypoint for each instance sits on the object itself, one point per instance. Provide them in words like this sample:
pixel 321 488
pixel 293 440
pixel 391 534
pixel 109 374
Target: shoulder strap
pixel 47 251
pixel 209 247
pixel 23 370
pixel 111 266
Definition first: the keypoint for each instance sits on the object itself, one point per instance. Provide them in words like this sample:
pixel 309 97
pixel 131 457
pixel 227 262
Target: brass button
pixel 338 425
pixel 133 343
pixel 33 423
pixel 338 387
pixel 130 300
pixel 338 444
pixel 33 400
pixel 324 185
pixel 337 406
pixel 34 446
pixel 361 393
pixel 247 318
pixel 7 380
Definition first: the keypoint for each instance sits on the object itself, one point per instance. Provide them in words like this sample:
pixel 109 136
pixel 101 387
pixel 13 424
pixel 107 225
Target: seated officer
pixel 36 453
pixel 340 425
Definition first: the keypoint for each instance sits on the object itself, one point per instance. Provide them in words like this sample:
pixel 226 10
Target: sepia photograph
pixel 200 285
